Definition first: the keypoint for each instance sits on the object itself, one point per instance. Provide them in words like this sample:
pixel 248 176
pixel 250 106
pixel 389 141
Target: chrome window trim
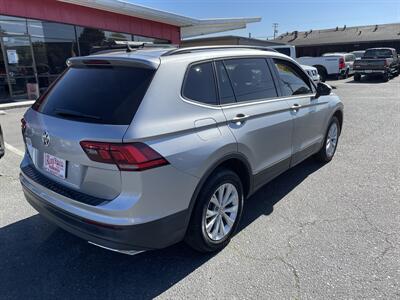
pixel 246 103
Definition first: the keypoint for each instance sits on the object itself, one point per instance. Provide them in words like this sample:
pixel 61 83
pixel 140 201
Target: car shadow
pixel 39 261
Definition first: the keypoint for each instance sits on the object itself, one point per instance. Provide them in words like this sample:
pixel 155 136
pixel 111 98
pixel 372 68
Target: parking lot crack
pixel 295 275
pixel 377 230
pixel 281 259
pixel 369 222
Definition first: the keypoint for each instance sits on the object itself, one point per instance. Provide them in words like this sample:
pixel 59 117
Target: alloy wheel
pixel 331 140
pixel 221 212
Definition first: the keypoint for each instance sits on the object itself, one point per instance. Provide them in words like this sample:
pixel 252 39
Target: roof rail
pixel 129 46
pixel 205 48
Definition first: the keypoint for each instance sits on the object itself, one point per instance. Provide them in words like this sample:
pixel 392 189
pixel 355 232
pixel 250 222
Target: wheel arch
pixel 339 115
pixel 235 162
pixel 322 71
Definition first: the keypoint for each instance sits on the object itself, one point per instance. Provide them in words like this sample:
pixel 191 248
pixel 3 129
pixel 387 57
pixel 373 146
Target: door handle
pixel 240 118
pixel 295 107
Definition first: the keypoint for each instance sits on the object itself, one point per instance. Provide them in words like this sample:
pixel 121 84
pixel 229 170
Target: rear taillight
pixel 342 65
pixel 128 157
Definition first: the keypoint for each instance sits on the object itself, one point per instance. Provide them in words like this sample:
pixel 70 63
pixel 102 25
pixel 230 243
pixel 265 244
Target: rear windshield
pixel 358 54
pixel 106 95
pixel 285 51
pixel 378 53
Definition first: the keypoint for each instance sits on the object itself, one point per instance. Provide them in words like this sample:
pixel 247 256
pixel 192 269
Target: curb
pixel 16 104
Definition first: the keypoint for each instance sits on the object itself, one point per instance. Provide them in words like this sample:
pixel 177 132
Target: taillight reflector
pixel 128 157
pixel 342 65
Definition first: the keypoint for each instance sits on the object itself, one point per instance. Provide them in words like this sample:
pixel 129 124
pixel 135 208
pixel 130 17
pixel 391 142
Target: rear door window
pixel 251 79
pixel 285 51
pixel 293 80
pixel 199 84
pixel 97 94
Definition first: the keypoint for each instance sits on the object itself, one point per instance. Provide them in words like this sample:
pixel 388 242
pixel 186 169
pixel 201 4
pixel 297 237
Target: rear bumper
pixel 145 236
pixel 370 72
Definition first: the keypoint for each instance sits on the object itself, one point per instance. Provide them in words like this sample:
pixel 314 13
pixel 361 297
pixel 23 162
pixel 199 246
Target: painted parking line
pixel 14 150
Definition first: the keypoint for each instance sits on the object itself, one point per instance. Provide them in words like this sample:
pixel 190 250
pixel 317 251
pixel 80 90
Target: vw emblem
pixel 46 138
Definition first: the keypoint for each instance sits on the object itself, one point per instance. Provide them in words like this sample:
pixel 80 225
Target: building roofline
pixel 223 37
pixel 189 26
pixel 342 35
pixel 341 43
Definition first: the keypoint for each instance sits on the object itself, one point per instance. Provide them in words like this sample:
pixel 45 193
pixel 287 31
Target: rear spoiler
pixel 151 63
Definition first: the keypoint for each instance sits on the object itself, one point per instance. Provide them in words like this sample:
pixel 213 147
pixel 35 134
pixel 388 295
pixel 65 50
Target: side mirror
pixel 323 89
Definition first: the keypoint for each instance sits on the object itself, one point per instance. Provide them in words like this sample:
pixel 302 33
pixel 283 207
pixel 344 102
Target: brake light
pixel 128 157
pixel 342 65
pixel 96 62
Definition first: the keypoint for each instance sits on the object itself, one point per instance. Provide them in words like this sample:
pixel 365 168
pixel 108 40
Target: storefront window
pixel 91 39
pixel 4 89
pixel 12 25
pixel 139 38
pixel 53 43
pixel 33 53
pixel 14 62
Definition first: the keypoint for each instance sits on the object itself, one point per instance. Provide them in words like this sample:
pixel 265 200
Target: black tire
pixel 322 155
pixel 196 235
pixel 322 73
pixel 385 77
pixel 357 77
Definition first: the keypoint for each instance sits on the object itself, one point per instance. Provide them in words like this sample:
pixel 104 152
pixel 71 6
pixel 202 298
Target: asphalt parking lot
pixel 318 231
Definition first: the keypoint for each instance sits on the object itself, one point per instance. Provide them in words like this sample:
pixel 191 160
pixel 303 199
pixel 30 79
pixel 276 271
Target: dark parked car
pixel 1 143
pixel 377 61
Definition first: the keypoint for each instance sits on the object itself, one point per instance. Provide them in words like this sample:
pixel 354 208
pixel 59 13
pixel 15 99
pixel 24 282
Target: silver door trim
pixel 247 103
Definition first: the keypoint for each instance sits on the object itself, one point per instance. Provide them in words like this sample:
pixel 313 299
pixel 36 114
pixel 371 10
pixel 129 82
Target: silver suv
pixel 138 150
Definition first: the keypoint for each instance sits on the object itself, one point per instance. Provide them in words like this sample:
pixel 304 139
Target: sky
pixel 290 14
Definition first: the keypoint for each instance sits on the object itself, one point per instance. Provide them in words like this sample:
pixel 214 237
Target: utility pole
pixel 275 26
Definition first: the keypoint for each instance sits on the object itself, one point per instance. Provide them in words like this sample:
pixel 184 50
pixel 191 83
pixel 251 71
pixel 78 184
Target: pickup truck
pixel 338 65
pixel 377 61
pixel 291 52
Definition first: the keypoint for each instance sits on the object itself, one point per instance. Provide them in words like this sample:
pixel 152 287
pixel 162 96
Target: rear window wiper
pixel 74 114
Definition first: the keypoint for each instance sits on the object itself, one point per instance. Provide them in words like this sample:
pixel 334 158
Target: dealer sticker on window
pixel 54 165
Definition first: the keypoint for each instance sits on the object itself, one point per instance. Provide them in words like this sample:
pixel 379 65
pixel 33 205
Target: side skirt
pixel 270 173
pixel 274 171
pixel 300 156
